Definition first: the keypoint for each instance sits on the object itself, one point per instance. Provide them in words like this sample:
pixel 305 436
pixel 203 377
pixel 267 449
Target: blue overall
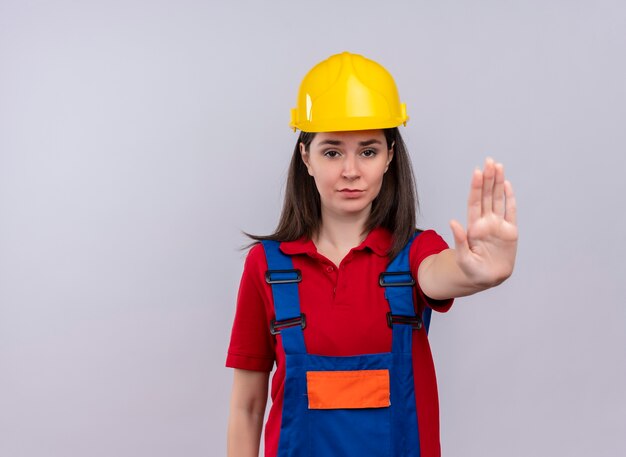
pixel 384 431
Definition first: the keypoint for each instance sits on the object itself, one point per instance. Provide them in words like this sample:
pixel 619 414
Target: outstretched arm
pixel 484 255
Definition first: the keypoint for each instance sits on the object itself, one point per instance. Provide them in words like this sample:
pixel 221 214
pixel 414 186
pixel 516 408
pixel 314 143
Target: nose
pixel 350 167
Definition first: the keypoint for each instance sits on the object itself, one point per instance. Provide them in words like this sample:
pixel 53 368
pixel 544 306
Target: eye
pixel 369 153
pixel 331 153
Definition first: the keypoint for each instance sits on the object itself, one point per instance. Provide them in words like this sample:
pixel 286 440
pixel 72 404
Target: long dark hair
pixel 394 208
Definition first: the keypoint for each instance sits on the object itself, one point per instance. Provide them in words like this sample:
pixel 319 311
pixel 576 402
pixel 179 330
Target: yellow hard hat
pixel 347 92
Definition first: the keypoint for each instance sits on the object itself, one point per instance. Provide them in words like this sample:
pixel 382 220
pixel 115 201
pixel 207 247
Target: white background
pixel 138 138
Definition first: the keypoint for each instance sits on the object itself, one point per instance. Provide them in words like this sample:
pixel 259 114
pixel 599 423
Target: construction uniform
pixel 350 382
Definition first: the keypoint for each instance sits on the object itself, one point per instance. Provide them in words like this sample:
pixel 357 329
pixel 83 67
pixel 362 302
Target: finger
pixel 474 199
pixel 488 180
pixel 510 214
pixel 498 190
pixel 460 237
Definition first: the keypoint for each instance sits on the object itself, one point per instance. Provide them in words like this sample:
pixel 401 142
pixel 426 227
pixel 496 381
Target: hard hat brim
pixel 349 124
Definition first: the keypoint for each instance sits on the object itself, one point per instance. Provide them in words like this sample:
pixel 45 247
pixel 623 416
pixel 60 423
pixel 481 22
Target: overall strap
pixel 399 282
pixel 284 280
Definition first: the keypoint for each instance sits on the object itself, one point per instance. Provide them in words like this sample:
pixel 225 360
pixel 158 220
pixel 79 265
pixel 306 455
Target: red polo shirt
pixel 346 315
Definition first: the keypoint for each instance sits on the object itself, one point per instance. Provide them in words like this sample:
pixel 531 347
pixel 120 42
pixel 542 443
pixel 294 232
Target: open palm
pixel 486 251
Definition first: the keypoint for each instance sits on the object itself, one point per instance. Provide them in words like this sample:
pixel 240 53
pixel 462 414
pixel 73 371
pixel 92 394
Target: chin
pixel 353 209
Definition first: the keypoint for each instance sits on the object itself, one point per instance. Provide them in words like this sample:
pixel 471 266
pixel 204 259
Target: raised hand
pixel 486 251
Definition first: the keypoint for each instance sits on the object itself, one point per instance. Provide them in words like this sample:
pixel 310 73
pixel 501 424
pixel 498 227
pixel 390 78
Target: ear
pixel 305 158
pixel 389 156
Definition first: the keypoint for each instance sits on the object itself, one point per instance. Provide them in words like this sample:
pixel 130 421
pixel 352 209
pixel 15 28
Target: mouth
pixel 351 192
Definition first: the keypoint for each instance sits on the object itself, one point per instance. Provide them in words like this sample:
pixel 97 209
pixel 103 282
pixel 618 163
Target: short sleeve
pixel 426 244
pixel 252 347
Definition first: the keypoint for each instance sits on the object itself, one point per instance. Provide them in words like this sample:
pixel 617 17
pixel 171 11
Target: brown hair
pixel 394 208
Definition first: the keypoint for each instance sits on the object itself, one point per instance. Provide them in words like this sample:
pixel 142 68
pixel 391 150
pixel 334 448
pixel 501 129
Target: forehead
pixel 349 138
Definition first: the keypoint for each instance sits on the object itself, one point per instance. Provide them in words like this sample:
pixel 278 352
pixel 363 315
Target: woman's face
pixel 348 169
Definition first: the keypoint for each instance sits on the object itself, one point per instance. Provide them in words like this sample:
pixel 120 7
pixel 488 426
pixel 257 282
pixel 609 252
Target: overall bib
pixel 362 405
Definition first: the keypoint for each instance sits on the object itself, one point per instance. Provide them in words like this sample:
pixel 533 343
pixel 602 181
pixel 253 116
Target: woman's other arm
pixel 247 409
pixel 484 255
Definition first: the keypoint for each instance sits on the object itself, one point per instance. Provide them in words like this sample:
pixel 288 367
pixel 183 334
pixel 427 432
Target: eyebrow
pixel 339 143
pixel 369 142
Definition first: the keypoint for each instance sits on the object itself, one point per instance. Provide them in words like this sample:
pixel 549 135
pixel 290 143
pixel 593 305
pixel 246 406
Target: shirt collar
pixel 299 246
pixel 378 241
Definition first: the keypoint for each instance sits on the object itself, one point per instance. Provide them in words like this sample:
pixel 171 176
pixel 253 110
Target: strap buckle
pixel 283 276
pixel 413 321
pixel 396 279
pixel 277 326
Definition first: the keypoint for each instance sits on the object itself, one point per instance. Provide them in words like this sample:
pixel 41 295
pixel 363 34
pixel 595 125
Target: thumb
pixel 460 237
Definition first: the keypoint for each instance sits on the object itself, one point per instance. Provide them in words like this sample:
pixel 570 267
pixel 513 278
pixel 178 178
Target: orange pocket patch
pixel 348 389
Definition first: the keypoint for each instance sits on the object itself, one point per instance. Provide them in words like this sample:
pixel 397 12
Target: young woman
pixel 339 297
